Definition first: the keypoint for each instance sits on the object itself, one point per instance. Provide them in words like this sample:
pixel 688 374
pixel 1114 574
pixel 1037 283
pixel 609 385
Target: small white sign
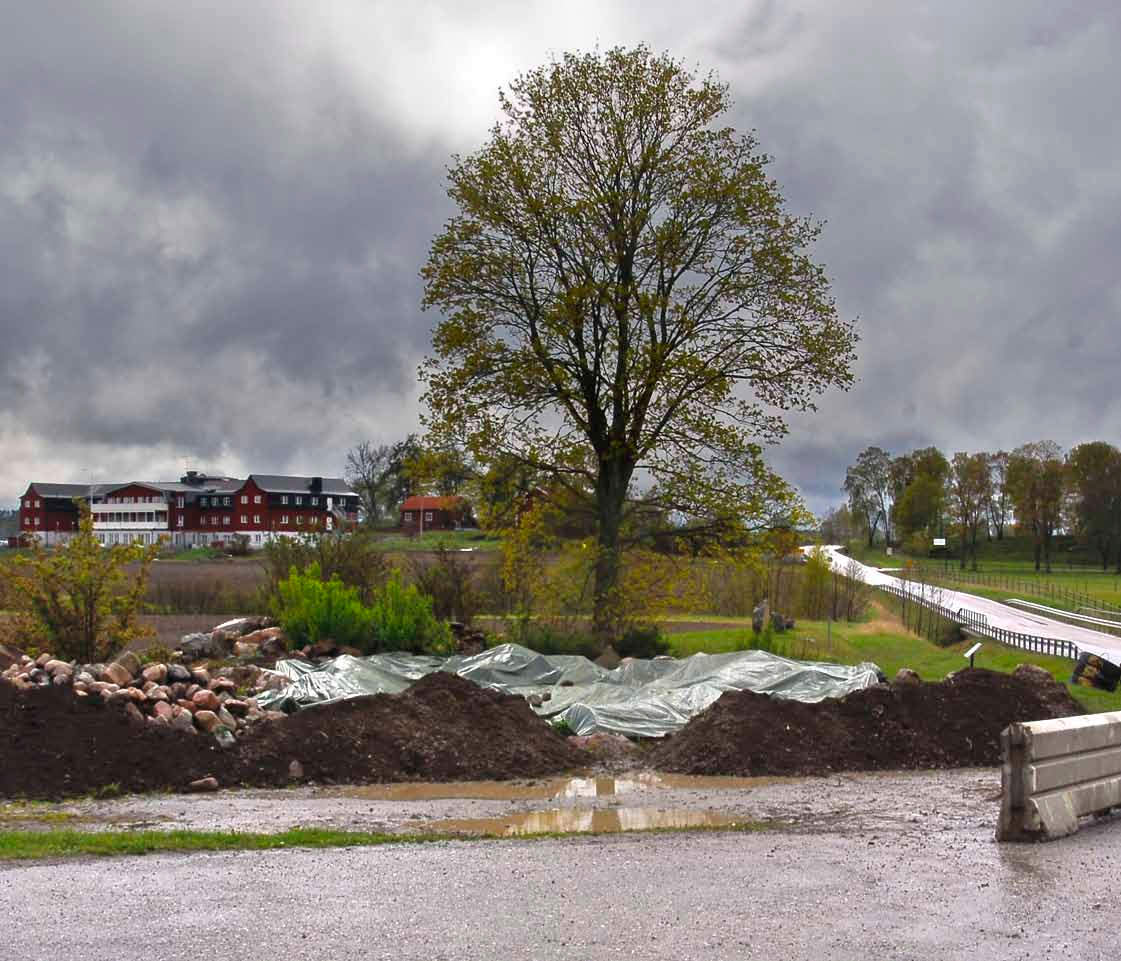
pixel 939 542
pixel 973 650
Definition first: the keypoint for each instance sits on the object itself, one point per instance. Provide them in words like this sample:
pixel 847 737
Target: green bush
pixel 642 640
pixel 548 639
pixel 403 620
pixel 311 609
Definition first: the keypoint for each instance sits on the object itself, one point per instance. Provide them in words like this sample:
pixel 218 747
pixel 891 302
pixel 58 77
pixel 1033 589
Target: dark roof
pixel 69 490
pixel 284 484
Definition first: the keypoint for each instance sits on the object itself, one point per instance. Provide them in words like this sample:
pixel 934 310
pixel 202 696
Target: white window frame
pixel 408 517
pixel 283 498
pixel 256 498
pixel 283 518
pixel 256 518
pixel 245 498
pixel 180 521
pixel 428 517
pixel 226 520
pixel 245 518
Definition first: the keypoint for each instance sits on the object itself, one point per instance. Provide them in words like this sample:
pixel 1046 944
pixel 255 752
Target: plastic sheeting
pixel 644 698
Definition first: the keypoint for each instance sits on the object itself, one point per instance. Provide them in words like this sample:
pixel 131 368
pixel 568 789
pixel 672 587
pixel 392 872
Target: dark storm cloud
pixel 212 215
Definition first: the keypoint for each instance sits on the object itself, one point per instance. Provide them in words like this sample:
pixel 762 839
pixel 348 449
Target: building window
pixel 226 501
pixel 299 501
pixel 27 522
pixel 202 522
pixel 256 498
pixel 38 504
pixel 245 518
pixel 36 521
pixel 428 515
pixel 313 520
pixel 245 498
pixel 27 503
pixel 284 498
pixel 283 518
pixel 226 520
pixel 179 503
pixel 315 502
pixel 204 502
pixel 408 517
pixel 256 518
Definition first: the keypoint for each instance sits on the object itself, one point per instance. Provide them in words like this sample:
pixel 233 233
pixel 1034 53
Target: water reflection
pixel 583 821
pixel 571 788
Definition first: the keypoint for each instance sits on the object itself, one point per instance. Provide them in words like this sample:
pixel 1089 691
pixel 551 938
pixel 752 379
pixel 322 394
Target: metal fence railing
pixel 979 625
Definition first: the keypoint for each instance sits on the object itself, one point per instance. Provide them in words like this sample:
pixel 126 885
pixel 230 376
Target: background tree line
pixel 906 500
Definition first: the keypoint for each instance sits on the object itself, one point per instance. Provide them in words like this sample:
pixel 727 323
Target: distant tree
pixel 379 474
pixel 999 501
pixel 968 491
pixel 1036 484
pixel 918 482
pixel 841 526
pixel 868 484
pixel 1095 481
pixel 628 307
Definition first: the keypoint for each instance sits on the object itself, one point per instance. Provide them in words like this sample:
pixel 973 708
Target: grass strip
pixel 39 845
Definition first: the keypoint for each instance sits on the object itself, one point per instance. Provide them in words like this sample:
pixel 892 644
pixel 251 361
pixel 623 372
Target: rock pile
pixel 192 699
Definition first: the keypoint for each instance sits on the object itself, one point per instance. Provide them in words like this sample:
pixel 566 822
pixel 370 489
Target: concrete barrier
pixel 1057 771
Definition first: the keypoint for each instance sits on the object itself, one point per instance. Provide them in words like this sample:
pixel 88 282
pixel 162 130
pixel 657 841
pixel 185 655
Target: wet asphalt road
pixel 931 889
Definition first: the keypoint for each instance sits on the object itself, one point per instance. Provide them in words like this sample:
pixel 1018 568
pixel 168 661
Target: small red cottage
pixel 420 514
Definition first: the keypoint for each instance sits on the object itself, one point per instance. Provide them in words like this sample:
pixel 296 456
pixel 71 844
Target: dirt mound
pixel 54 744
pixel 953 723
pixel 443 728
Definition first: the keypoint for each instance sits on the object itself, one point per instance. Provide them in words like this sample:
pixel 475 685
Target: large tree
pixel 918 482
pixel 999 501
pixel 626 301
pixel 1095 481
pixel 868 484
pixel 1036 484
pixel 968 489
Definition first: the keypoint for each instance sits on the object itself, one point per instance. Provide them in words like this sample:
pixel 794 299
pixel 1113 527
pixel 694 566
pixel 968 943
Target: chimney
pixel 316 485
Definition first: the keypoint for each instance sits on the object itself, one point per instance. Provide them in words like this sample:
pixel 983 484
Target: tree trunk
pixel 611 492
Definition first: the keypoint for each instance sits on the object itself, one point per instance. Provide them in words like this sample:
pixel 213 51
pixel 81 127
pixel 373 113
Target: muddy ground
pixel 841 803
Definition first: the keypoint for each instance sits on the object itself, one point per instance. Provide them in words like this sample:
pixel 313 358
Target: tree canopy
pixel 627 307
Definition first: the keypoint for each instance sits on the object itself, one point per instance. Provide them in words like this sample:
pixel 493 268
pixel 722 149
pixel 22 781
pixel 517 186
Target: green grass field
pixel 884 641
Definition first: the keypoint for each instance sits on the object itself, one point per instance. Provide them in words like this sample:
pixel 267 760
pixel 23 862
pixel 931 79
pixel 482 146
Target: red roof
pixel 432 503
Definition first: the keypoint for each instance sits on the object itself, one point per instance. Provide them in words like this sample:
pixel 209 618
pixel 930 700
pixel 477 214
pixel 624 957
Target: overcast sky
pixel 213 214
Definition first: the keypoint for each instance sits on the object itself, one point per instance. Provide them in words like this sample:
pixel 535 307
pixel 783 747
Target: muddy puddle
pixel 551 789
pixel 583 821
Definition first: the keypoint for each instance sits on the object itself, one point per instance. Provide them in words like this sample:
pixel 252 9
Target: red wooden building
pixel 424 513
pixel 197 509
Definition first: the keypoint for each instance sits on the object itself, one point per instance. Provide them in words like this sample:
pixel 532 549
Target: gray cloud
pixel 212 216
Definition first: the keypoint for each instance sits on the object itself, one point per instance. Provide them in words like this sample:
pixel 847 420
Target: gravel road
pixel 882 867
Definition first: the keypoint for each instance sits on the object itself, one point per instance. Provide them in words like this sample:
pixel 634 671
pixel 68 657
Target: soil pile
pixel 953 723
pixel 443 728
pixel 53 744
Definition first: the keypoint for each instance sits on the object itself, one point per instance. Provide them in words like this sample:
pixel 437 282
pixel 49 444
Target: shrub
pixel 353 557
pixel 80 600
pixel 642 640
pixel 311 609
pixel 403 619
pixel 449 581
pixel 549 639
